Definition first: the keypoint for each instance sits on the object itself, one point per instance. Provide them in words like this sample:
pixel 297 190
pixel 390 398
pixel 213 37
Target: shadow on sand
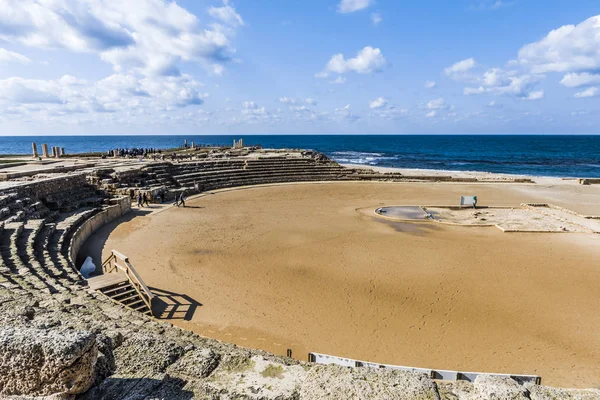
pixel 170 305
pixel 95 243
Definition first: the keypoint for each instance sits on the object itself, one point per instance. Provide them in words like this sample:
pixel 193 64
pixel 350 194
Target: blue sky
pixel 314 66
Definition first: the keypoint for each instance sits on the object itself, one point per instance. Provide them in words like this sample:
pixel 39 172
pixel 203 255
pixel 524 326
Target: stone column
pixel 193 145
pixel 34 149
pixel 241 143
pixel 53 151
pixel 45 150
pixel 62 151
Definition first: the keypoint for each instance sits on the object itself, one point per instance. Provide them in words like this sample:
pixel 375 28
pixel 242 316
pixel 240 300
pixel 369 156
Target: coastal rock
pixel 335 382
pixel 36 362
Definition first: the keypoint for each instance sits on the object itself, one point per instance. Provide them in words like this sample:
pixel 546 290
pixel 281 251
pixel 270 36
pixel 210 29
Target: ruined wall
pixel 45 187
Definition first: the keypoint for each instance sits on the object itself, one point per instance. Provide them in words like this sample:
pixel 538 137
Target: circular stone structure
pixel 301 266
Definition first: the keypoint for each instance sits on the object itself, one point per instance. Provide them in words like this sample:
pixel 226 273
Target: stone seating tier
pixel 258 176
pixel 258 171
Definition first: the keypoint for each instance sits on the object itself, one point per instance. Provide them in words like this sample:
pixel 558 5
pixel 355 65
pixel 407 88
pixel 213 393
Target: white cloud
pixel 580 79
pixel 345 113
pixel 122 94
pixel 378 102
pixel 437 104
pixel 376 18
pixel 30 91
pixel 226 14
pixel 287 100
pixel 310 101
pixel 340 80
pixel 431 114
pixel 460 68
pixel 11 56
pixel 570 48
pixel 251 108
pixel 390 112
pixel 367 60
pixel 149 36
pixel 349 6
pixel 537 95
pixel 589 92
pixel 430 84
pixel 502 82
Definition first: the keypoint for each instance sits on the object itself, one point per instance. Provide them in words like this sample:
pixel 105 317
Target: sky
pixel 289 66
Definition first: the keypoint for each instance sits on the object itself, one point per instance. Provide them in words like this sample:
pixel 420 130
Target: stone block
pixel 38 362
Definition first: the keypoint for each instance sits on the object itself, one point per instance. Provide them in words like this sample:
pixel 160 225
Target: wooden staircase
pixel 122 284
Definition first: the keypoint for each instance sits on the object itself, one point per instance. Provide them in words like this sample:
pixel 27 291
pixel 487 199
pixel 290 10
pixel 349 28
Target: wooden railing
pixel 118 262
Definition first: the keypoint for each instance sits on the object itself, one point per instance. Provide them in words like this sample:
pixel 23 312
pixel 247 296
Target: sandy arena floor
pixel 297 266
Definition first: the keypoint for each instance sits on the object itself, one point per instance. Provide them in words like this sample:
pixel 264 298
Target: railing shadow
pixel 171 305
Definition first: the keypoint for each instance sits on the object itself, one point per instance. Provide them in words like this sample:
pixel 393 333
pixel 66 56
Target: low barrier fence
pixel 440 374
pixel 122 206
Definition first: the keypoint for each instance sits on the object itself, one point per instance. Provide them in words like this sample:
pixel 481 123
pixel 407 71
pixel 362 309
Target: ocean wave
pixel 590 165
pixel 360 157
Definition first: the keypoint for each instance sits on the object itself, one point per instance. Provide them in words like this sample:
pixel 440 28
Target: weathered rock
pixel 485 387
pixel 40 363
pixel 256 378
pixel 537 392
pixel 334 382
pixel 498 388
pixel 146 355
pixel 198 363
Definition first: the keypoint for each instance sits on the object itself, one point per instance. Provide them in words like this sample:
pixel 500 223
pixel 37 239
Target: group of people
pixel 143 199
pixel 133 152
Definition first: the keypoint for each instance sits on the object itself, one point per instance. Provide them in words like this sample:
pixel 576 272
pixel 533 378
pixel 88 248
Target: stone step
pixel 27 251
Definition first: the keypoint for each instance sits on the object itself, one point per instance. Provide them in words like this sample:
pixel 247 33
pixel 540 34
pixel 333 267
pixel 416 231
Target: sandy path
pixel 296 266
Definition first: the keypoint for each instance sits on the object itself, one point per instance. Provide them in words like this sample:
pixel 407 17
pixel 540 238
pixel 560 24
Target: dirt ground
pixel 301 267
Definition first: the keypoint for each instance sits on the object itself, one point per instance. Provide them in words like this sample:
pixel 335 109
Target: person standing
pixel 145 200
pixel 139 199
pixel 181 200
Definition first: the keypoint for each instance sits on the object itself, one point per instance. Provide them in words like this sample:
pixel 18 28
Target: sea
pixel 538 155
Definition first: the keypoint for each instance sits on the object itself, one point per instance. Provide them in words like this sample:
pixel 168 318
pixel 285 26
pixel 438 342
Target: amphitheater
pixel 65 336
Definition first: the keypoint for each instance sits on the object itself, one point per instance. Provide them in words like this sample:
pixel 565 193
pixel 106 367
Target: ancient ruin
pixel 59 336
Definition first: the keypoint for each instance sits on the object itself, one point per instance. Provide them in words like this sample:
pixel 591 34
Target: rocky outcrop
pixel 37 362
pixel 335 382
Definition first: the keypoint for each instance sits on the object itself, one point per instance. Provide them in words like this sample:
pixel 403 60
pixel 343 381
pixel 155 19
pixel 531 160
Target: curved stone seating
pixel 45 260
pixel 59 239
pixel 28 261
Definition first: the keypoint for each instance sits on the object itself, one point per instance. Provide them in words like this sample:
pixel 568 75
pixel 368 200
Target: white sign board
pixel 468 201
